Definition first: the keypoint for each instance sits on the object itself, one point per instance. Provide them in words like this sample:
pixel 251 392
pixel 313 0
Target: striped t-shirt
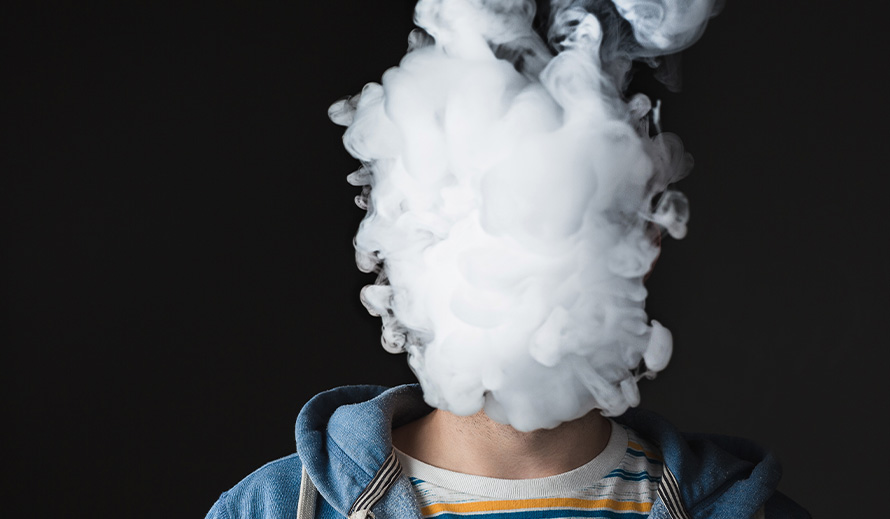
pixel 621 482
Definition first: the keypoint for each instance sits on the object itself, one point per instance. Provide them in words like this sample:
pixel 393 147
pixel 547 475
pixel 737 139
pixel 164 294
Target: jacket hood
pixel 344 437
pixel 716 473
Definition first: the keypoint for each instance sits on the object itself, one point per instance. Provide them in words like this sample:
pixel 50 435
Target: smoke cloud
pixel 514 198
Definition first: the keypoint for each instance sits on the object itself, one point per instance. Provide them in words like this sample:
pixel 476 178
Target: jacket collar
pixel 344 437
pixel 716 474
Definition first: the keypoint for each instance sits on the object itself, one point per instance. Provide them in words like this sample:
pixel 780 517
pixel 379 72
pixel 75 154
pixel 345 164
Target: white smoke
pixel 512 195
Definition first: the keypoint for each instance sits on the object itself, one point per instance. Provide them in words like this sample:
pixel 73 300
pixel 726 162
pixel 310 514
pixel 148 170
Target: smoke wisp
pixel 513 195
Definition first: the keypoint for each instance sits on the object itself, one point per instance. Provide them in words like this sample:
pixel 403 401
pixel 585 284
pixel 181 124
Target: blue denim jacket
pixel 344 438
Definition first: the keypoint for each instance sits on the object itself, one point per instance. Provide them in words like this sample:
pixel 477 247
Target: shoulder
pixel 270 491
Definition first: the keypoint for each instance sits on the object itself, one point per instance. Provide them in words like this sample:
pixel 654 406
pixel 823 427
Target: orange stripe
pixel 639 447
pixel 495 506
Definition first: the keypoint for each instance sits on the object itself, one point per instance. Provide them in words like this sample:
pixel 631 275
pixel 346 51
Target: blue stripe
pixel 631 476
pixel 641 454
pixel 634 479
pixel 549 513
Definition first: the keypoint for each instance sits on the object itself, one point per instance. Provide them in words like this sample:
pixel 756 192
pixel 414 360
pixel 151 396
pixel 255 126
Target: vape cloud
pixel 512 193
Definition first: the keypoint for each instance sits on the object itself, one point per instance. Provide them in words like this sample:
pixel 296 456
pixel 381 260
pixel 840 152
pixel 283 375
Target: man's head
pixel 510 196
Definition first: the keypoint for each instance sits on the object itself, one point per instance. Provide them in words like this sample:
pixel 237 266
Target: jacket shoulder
pixel 271 491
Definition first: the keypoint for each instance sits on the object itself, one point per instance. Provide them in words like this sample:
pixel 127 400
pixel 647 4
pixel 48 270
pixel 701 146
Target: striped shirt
pixel 621 482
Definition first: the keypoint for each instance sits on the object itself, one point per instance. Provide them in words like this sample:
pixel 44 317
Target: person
pixel 527 394
pixel 368 451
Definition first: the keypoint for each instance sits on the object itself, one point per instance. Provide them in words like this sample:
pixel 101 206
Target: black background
pixel 178 272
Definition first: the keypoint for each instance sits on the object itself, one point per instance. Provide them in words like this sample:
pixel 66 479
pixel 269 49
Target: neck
pixel 480 446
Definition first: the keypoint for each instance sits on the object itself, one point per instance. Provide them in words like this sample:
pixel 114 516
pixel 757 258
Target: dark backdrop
pixel 178 273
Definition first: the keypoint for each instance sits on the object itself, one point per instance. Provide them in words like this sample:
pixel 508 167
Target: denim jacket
pixel 344 466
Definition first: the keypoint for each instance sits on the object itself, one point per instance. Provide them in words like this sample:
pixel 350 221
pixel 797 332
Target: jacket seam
pixel 716 495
